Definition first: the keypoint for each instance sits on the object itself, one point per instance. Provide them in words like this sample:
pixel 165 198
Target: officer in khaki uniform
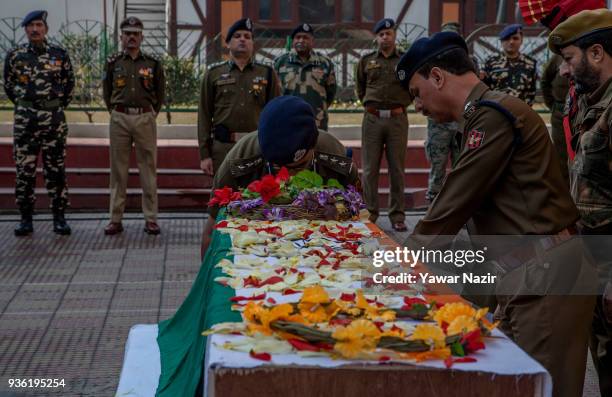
pixel 385 122
pixel 232 96
pixel 307 74
pixel 554 91
pixel 507 181
pixel 134 87
pixel 585 42
pixel 266 150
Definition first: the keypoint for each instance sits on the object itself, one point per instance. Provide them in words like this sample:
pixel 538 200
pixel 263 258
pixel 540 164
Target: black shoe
pixel 59 224
pixel 25 227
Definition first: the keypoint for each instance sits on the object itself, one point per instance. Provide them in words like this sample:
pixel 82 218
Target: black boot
pixel 59 224
pixel 25 227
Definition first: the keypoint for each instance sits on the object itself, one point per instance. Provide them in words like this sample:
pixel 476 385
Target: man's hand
pixel 207 166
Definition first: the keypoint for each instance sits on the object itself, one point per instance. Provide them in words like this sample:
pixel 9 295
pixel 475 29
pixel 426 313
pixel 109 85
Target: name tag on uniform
pixel 372 65
pixel 226 81
pixel 260 80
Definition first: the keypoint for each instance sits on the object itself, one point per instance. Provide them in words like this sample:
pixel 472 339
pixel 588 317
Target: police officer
pixel 507 181
pixel 232 96
pixel 511 72
pixel 266 150
pixel 134 88
pixel 554 90
pixel 38 79
pixel 385 122
pixel 585 42
pixel 307 74
pixel 441 142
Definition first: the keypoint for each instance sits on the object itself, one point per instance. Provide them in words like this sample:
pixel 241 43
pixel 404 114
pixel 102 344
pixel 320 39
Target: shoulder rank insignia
pixel 241 167
pixel 475 139
pixel 337 163
pixel 469 110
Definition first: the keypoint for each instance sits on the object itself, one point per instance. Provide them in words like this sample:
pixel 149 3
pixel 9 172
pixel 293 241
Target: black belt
pixel 51 104
pixel 132 110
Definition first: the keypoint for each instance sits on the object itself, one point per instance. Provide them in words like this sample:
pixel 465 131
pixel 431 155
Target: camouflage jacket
pixel 313 80
pixel 38 75
pixel 516 77
pixel 591 170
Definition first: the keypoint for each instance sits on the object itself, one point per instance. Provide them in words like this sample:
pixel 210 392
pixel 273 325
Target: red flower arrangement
pixel 222 197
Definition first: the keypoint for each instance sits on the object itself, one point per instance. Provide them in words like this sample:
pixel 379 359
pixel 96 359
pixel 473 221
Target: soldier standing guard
pixel 511 72
pixel 232 96
pixel 38 79
pixel 585 43
pixel 308 74
pixel 134 88
pixel 385 122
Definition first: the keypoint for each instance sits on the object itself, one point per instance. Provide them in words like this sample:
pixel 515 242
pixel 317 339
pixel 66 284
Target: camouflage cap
pixel 131 24
pixel 579 26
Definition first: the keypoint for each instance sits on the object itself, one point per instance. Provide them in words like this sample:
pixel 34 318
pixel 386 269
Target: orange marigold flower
pixel 450 311
pixel 462 325
pixel 430 334
pixel 315 294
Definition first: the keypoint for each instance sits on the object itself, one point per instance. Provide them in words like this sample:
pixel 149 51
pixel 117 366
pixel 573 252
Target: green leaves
pixel 307 179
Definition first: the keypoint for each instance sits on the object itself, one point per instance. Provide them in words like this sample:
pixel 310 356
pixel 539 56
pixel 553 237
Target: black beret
pixel 241 24
pixel 287 129
pixel 385 23
pixel 303 28
pixel 35 16
pixel 509 31
pixel 131 24
pixel 423 50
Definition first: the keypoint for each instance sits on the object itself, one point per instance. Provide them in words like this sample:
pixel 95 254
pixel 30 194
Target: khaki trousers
pixel 139 130
pixel 388 135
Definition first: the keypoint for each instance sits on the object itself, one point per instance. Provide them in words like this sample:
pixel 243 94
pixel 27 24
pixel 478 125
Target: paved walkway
pixel 67 303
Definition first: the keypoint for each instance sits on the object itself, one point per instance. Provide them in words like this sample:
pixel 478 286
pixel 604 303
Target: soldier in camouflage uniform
pixel 584 42
pixel 232 95
pixel 307 74
pixel 511 72
pixel 441 141
pixel 38 79
pixel 554 91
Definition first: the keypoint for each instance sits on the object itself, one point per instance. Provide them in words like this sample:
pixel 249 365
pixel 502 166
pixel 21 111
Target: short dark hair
pixel 604 38
pixel 455 61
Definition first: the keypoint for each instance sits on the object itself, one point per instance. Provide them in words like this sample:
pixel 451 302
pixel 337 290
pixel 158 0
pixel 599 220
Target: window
pixel 285 10
pixel 265 10
pixel 317 11
pixel 367 11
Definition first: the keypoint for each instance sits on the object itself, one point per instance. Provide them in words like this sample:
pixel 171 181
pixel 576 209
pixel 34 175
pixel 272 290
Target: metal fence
pixel 90 42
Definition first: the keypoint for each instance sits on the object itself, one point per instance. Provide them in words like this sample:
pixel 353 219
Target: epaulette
pixel 112 58
pixel 340 164
pixel 152 57
pixel 367 54
pixel 216 65
pixel 241 167
pixel 259 63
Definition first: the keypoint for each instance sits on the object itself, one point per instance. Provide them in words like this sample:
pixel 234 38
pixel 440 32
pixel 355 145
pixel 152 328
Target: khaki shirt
pixel 245 164
pixel 131 82
pixel 503 189
pixel 233 98
pixel 591 170
pixel 376 83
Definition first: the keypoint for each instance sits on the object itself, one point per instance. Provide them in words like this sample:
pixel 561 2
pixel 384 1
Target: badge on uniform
pixel 475 139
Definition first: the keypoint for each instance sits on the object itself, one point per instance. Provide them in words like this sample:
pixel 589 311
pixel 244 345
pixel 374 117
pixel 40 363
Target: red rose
pixel 222 197
pixel 283 175
pixel 268 188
